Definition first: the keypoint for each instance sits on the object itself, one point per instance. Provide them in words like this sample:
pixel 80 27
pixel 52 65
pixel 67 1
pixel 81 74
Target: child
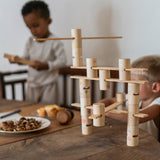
pixel 47 55
pixel 149 94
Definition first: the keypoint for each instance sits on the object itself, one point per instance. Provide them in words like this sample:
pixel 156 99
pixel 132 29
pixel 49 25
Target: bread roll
pixel 41 112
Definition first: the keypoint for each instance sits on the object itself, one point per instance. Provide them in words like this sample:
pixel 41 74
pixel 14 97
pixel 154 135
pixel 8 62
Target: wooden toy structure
pixel 104 79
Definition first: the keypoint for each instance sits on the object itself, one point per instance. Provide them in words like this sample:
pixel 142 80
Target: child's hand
pixel 13 59
pixel 39 65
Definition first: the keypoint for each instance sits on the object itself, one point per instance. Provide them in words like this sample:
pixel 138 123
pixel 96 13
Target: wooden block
pixel 76 47
pixel 85 112
pixel 133 98
pixel 99 110
pixel 91 62
pixel 103 74
pixel 120 97
pixel 84 88
pixel 133 88
pixel 133 108
pixel 77 61
pixel 123 74
pixel 86 129
pixel 85 102
pixel 76 42
pixel 132 135
pixel 132 120
pixel 76 52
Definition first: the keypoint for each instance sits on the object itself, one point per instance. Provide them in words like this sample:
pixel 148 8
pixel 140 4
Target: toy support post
pixel 76 47
pixel 85 100
pixel 120 97
pixel 133 108
pixel 99 109
pixel 91 62
pixel 123 65
pixel 104 74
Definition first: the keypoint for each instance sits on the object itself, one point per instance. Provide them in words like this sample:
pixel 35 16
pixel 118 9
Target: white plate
pixel 45 124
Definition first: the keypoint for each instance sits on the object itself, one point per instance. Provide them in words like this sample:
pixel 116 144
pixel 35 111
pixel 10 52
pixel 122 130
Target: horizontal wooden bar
pixel 45 39
pixel 95 116
pixel 81 67
pixel 126 81
pixel 112 37
pixel 112 106
pixel 83 77
pixel 72 38
pixel 140 115
pixel 76 105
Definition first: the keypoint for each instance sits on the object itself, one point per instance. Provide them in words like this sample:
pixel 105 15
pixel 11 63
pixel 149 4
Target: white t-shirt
pixel 51 52
pixel 150 126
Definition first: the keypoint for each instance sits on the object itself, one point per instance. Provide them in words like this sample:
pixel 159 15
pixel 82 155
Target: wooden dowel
pixel 112 68
pixel 126 81
pixel 112 106
pixel 95 116
pixel 72 38
pixel 82 67
pixel 89 107
pixel 83 77
pixel 105 68
pixel 137 69
pixel 141 115
pixel 76 105
pixel 118 111
pixel 45 39
pixel 116 37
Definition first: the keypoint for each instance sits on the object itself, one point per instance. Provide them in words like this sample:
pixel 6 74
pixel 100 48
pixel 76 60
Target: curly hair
pixel 152 63
pixel 36 6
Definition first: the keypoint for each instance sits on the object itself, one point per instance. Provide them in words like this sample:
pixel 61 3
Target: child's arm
pixel 117 116
pixel 108 101
pixel 152 111
pixel 39 65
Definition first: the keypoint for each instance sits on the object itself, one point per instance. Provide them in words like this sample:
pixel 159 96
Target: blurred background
pixel 137 21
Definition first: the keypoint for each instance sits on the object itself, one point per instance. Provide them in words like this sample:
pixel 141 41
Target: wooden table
pixel 106 143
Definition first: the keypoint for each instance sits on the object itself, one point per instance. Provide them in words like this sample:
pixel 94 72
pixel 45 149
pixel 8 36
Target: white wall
pixel 137 21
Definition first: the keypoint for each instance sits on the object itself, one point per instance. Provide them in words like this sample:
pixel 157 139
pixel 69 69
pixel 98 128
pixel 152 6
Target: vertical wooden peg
pixel 133 108
pixel 91 62
pixel 120 97
pixel 85 121
pixel 99 109
pixel 84 88
pixel 76 47
pixel 123 74
pixel 104 74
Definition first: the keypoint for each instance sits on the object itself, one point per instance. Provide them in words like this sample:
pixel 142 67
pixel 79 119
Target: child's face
pixel 37 25
pixel 145 91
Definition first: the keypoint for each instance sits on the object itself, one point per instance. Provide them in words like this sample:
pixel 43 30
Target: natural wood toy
pixel 104 79
pixel 17 59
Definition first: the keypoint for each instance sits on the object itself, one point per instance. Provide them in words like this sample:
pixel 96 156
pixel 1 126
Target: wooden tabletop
pixel 106 143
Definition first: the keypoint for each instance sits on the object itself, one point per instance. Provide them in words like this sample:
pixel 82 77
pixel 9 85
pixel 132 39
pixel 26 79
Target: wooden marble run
pixel 102 74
